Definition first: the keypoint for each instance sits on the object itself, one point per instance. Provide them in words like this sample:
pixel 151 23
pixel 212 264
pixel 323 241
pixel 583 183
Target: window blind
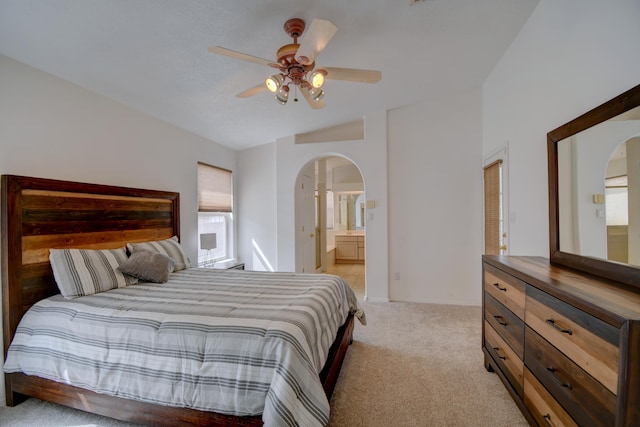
pixel 214 189
pixel 492 203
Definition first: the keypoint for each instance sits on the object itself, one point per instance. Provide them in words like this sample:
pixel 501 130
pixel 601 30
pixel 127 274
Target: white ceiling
pixel 152 55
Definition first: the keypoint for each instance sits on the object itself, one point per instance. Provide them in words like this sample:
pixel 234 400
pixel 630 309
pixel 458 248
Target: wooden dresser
pixel 566 344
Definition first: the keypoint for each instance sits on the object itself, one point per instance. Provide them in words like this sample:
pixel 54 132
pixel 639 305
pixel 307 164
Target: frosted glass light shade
pixel 274 82
pixel 282 95
pixel 317 78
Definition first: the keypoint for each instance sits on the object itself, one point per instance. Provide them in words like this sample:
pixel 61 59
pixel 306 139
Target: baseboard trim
pixel 369 299
pixel 442 302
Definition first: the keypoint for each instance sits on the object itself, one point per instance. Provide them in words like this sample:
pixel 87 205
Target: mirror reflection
pixel 599 190
pixel 351 211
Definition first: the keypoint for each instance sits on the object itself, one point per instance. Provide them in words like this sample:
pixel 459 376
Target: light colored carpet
pixel 420 365
pixel 412 365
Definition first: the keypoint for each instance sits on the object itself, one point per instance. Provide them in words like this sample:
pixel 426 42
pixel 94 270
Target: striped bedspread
pixel 234 342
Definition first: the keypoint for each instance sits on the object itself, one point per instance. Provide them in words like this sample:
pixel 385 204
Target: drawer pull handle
pixel 560 328
pixel 555 376
pixel 547 419
pixel 497 285
pixel 500 320
pixel 498 353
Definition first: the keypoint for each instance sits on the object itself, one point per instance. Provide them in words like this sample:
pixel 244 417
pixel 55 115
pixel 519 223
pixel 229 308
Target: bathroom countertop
pixel 350 233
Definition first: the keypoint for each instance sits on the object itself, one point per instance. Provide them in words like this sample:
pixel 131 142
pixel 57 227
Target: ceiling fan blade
pixel 252 91
pixel 238 55
pixel 320 32
pixel 353 74
pixel 316 105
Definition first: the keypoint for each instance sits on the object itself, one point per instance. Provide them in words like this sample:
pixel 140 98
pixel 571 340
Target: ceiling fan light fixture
pixel 296 64
pixel 317 78
pixel 282 95
pixel 316 94
pixel 274 82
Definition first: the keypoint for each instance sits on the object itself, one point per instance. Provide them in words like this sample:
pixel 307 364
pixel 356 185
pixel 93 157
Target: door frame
pixel 501 153
pixel 304 221
pixel 299 209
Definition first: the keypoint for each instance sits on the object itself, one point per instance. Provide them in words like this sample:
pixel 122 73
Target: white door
pixel 308 223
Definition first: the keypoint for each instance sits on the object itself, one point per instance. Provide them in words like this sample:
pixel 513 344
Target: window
pixel 215 214
pixel 493 220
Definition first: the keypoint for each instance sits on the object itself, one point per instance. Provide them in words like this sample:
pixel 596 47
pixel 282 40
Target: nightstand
pixel 223 266
pixel 236 266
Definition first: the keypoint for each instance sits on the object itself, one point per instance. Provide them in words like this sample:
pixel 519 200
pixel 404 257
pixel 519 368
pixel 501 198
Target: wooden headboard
pixel 39 214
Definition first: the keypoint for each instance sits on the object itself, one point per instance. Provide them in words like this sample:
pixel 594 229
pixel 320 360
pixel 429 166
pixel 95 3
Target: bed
pixel 40 214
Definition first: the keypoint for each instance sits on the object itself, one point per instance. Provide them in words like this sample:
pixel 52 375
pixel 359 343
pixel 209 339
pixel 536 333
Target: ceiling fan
pixel 296 64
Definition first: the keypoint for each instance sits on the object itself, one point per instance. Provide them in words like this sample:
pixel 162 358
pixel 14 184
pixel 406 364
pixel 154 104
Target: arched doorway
pixel 330 216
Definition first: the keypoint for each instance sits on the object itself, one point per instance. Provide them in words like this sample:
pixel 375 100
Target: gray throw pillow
pixel 149 266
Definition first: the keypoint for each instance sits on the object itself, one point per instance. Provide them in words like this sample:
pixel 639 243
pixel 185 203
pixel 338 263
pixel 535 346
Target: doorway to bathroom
pixel 338 217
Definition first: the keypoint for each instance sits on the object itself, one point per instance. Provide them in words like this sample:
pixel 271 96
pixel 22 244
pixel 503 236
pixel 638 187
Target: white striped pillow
pixel 169 247
pixel 80 272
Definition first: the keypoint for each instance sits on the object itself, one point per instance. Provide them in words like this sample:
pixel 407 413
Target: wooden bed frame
pixel 38 214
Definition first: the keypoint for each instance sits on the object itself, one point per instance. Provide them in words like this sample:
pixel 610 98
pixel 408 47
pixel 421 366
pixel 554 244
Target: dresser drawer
pixel 508 325
pixel 588 401
pixel 544 408
pixel 507 289
pixel 588 341
pixel 505 357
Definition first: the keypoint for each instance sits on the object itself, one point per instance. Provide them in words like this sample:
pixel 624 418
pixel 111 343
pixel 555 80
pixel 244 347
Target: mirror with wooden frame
pixel 594 190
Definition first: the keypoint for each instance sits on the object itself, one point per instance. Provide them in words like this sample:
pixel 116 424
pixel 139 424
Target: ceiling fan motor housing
pixel 291 68
pixel 294 28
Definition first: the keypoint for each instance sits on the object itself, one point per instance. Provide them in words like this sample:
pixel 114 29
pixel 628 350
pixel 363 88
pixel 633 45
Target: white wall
pixel 52 129
pixel 256 199
pixel 369 155
pixel 435 199
pixel 428 228
pixel 569 57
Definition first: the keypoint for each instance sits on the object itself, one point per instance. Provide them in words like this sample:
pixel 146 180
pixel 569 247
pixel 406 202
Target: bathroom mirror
pixel 594 190
pixel 351 210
